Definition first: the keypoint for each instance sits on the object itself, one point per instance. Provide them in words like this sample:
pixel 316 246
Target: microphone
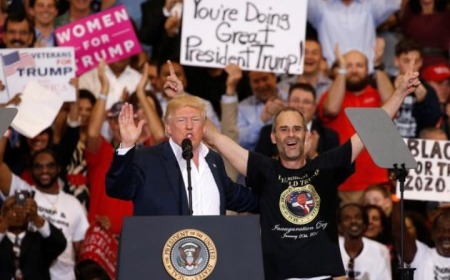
pixel 186 146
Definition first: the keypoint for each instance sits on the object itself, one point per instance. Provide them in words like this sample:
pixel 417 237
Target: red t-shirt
pixel 100 203
pixel 366 172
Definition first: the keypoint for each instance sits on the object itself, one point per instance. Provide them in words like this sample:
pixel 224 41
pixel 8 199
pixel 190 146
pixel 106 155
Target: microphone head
pixel 186 146
pixel 186 143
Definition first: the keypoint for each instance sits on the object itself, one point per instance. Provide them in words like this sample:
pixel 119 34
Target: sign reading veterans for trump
pixel 107 35
pixel 431 179
pixel 50 67
pixel 265 35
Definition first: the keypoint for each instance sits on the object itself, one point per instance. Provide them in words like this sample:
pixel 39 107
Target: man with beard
pixel 362 258
pixel 300 246
pixel 62 210
pixel 351 89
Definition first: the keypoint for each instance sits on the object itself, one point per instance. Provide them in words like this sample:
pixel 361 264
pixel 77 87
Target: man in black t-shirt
pixel 300 244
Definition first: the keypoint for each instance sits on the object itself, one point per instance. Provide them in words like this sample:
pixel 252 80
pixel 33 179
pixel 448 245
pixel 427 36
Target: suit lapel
pixel 25 246
pixel 175 178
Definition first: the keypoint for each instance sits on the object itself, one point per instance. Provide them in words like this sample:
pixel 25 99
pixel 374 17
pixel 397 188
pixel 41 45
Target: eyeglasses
pixel 350 269
pixel 40 166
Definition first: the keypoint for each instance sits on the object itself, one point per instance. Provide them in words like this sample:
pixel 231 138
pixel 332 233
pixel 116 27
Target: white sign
pixel 51 67
pixel 37 110
pixel 264 35
pixel 431 179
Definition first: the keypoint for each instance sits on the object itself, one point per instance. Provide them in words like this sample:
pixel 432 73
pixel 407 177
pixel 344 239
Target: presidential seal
pixel 189 254
pixel 300 205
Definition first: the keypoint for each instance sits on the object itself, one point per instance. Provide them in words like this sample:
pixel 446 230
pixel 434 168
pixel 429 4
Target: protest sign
pixel 431 179
pixel 107 35
pixel 51 67
pixel 265 35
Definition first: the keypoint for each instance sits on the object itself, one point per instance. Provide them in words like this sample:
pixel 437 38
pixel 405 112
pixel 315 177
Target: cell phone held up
pixel 21 196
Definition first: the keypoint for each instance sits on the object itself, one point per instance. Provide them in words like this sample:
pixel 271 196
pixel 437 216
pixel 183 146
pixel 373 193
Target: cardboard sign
pixel 107 35
pixel 51 67
pixel 431 179
pixel 264 35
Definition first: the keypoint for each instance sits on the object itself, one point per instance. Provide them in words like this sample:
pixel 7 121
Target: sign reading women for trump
pixel 107 35
pixel 50 67
pixel 265 35
pixel 431 179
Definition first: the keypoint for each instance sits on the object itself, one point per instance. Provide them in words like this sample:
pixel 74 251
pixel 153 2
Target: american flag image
pixel 16 60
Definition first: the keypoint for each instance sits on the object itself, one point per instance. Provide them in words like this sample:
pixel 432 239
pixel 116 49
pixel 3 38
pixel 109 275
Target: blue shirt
pixel 249 119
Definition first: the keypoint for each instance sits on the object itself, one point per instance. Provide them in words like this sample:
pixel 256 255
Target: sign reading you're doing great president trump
pixel 264 35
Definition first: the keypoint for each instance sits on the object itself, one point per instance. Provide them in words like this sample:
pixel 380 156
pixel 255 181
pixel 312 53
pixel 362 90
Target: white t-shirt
pixel 372 263
pixel 65 212
pixel 429 264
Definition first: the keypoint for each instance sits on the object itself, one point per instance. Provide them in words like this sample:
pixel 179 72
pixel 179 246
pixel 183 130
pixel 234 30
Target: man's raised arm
pixel 406 85
pixel 229 149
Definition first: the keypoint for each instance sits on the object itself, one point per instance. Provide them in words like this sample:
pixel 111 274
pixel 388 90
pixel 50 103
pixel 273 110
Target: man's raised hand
pixel 129 131
pixel 173 86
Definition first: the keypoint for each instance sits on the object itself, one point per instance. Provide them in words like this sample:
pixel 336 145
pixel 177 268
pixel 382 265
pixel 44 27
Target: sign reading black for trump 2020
pixel 431 179
pixel 264 35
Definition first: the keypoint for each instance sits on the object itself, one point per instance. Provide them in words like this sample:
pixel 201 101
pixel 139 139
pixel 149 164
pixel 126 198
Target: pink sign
pixel 107 35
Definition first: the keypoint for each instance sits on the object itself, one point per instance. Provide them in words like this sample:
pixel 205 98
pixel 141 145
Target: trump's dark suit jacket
pixel 152 179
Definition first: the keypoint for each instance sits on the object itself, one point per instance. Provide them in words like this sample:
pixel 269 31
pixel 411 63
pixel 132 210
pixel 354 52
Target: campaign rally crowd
pixel 275 144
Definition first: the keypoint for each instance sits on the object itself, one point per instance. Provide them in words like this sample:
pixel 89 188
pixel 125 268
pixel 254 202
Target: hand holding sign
pixel 169 4
pixel 173 86
pixel 172 25
pixel 234 76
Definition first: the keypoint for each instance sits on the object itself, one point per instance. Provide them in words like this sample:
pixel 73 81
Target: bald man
pixel 351 88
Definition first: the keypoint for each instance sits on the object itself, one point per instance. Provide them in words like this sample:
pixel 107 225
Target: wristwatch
pixel 379 67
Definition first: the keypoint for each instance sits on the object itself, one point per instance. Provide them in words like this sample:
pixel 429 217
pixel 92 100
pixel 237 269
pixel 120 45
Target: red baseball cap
pixel 438 72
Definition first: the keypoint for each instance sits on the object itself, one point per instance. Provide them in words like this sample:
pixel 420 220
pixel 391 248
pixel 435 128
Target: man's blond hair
pixel 185 101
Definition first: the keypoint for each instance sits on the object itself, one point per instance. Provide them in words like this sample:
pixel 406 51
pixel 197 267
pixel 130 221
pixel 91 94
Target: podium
pixel 190 247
